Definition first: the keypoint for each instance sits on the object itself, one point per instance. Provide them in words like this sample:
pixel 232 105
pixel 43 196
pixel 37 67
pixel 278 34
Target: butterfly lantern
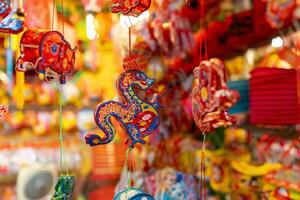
pixel 278 11
pixel 130 7
pixel 46 52
pixel 211 98
pixel 7 23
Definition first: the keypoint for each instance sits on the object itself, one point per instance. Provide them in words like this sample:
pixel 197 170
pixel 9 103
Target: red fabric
pixel 274 98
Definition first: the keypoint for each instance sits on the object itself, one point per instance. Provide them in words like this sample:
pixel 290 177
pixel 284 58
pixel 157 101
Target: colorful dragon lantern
pixel 211 98
pixel 130 7
pixel 7 23
pixel 137 116
pixel 46 52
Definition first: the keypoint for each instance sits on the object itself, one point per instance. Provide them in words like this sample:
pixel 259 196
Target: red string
pixel 203 35
pixel 201 29
pixel 201 177
pixel 204 179
pixel 129 42
pixel 53 8
pixel 62 16
pixel 203 51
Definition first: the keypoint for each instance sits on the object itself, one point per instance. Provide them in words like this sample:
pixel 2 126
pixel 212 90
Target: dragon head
pixel 135 77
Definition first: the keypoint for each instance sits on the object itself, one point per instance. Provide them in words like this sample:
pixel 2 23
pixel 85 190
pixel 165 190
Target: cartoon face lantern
pixel 130 7
pixel 46 52
pixel 211 98
pixel 7 23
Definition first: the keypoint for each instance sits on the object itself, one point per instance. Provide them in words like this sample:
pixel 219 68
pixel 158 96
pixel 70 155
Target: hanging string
pixel 126 170
pixel 203 34
pixel 53 9
pixel 63 160
pixel 62 16
pixel 129 42
pixel 129 26
pixel 131 64
pixel 202 170
pixel 132 164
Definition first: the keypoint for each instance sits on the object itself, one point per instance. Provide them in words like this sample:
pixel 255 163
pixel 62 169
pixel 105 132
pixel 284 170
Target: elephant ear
pixel 50 47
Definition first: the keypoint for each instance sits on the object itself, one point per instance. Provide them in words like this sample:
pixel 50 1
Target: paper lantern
pixel 130 7
pixel 138 117
pixel 211 98
pixel 46 52
pixel 274 98
pixel 64 188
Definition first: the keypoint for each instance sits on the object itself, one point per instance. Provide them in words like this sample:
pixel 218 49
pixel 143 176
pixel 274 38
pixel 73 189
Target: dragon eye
pixel 141 76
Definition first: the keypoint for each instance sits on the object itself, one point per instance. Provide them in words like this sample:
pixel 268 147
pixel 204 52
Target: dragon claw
pixel 92 139
pixel 138 140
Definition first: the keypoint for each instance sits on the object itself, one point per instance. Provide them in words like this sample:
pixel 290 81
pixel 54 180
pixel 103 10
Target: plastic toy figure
pixel 248 179
pixel 64 188
pixel 137 116
pixel 133 194
pixel 130 7
pixel 284 184
pixel 7 23
pixel 171 186
pixel 46 52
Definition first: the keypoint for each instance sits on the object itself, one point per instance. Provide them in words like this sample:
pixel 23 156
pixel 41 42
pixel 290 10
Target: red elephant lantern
pixel 46 52
pixel 130 7
pixel 211 98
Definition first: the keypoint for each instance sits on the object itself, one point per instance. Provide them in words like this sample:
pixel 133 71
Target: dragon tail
pixel 103 121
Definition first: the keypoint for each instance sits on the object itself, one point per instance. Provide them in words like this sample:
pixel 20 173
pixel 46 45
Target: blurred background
pixel 258 158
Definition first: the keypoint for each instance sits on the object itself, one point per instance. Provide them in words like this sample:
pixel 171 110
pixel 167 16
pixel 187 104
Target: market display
pixel 204 106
